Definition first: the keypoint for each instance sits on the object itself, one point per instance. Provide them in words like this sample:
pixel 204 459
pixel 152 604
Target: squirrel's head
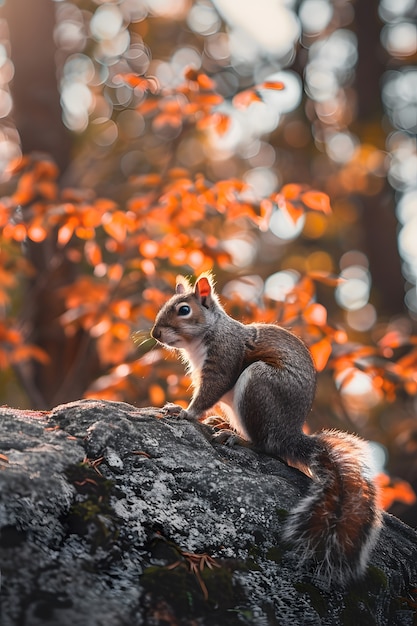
pixel 188 314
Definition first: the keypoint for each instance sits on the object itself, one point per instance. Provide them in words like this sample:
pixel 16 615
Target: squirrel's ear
pixel 203 289
pixel 182 285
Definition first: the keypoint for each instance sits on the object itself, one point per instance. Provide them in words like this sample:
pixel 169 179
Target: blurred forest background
pixel 144 138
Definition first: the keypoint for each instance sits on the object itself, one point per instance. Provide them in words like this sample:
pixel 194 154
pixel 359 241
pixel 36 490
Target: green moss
pixel 275 554
pixel 362 599
pixel 249 564
pixel 356 612
pixel 376 579
pixel 208 592
pixel 253 551
pixel 216 599
pixel 282 514
pixel 91 515
pixel 219 585
pixel 176 586
pixel 318 602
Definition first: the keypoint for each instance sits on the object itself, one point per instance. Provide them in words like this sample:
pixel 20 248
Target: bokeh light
pixel 362 319
pixel 353 292
pixel 9 138
pixel 249 288
pixel 315 15
pixel 203 19
pixel 400 98
pixel 331 62
pixel 279 285
pixel 400 39
pixel 272 28
pixel 241 250
pixel 358 392
pixel 283 226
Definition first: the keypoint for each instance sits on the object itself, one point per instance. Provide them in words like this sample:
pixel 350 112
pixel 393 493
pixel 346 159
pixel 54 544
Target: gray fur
pixel 265 377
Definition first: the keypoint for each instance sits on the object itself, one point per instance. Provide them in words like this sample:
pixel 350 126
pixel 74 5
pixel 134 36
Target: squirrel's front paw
pixel 174 410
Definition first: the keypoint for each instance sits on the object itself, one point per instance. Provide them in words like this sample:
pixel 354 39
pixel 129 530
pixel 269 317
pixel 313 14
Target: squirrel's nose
pixel 156 333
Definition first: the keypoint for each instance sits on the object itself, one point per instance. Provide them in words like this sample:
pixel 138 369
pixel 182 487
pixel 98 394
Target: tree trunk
pixel 37 110
pixel 37 114
pixel 378 216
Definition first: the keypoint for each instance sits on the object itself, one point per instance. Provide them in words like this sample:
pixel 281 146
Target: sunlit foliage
pixel 210 135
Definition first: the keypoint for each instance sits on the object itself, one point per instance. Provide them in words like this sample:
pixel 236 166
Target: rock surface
pixel 111 516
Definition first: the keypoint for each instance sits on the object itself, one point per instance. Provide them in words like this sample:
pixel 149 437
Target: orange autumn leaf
pixel 205 82
pixel 9 335
pixel 148 267
pixel 26 189
pixel 245 98
pixel 222 123
pixel 91 217
pixel 66 231
pixel 85 233
pixel 317 201
pixel 293 212
pixel 393 490
pixel 201 79
pixel 392 339
pixel 145 84
pixel 148 106
pixel 121 330
pixel 276 85
pixel 315 314
pixel 37 231
pixel 291 191
pixel 410 387
pixel 116 225
pixel 178 172
pixel 149 249
pixel 149 180
pixel 167 119
pixel 191 73
pixel 196 260
pixel 135 81
pixel 7 279
pixel 326 278
pixel 115 272
pixel 266 208
pixel 321 351
pixel 204 101
pixel 17 164
pixel 409 360
pixel 46 169
pixel 18 232
pixel 92 253
pixel 340 336
pixel 122 309
pixel 103 204
pixel 47 189
pixel 25 352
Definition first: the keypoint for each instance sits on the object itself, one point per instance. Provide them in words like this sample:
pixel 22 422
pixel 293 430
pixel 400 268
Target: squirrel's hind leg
pixel 230 438
pixel 264 399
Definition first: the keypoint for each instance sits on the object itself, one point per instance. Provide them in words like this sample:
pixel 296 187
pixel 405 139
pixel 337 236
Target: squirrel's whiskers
pixel 141 337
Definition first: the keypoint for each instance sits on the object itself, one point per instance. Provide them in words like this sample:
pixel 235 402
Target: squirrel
pixel 265 379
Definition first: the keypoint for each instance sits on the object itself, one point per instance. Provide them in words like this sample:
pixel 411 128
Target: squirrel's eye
pixel 184 310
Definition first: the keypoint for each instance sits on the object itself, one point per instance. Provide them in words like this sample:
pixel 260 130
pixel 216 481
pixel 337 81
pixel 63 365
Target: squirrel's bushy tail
pixel 337 523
